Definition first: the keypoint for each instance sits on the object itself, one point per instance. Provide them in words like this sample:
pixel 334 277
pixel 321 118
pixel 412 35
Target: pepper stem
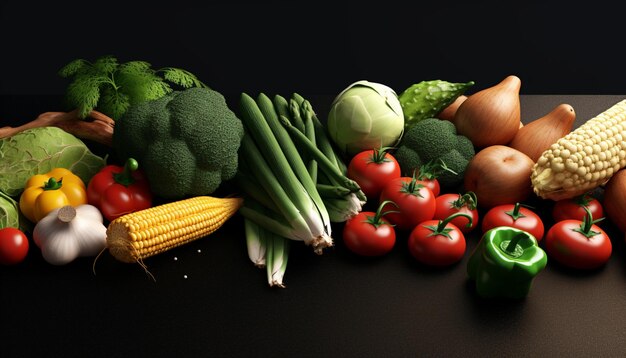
pixel 510 248
pixel 53 184
pixel 126 176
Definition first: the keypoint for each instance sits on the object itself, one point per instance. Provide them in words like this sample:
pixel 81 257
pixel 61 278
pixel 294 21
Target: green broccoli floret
pixel 431 140
pixel 186 142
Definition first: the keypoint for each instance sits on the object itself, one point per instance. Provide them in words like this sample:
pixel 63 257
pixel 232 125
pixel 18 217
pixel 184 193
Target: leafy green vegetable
pixel 432 140
pixel 187 141
pixel 9 212
pixel 364 116
pixel 39 150
pixel 112 88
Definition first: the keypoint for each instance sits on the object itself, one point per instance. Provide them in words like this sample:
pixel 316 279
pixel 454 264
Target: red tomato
pixel 448 204
pixel 429 172
pixel 432 184
pixel 437 242
pixel 574 208
pixel 368 234
pixel 372 169
pixel 578 244
pixel 13 246
pixel 515 216
pixel 415 202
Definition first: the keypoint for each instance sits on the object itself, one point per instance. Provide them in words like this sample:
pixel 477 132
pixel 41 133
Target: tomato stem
pixel 583 200
pixel 442 223
pixel 468 199
pixel 515 213
pixel 441 229
pixel 378 156
pixel 376 220
pixel 412 187
pixel 432 169
pixel 587 224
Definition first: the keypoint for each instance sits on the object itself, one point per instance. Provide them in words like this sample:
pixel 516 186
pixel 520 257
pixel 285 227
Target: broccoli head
pixel 431 140
pixel 186 142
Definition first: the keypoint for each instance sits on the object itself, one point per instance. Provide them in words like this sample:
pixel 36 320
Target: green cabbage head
pixel 364 116
pixel 39 150
pixel 9 212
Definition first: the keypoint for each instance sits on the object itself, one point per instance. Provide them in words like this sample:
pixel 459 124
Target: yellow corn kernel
pixel 598 144
pixel 136 236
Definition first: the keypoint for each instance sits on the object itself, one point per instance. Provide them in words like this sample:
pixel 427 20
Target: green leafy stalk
pixel 181 77
pixel 256 244
pixel 276 256
pixel 111 88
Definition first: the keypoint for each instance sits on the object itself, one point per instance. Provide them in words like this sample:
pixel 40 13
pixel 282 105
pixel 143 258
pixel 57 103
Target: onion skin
pixel 615 200
pixel 492 115
pixel 537 136
pixel 499 175
pixel 448 113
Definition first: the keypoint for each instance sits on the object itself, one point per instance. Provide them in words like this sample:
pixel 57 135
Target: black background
pixel 320 48
pixel 336 304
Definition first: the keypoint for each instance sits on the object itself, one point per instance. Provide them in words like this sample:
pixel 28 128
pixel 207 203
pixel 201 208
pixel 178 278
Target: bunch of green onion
pixel 294 183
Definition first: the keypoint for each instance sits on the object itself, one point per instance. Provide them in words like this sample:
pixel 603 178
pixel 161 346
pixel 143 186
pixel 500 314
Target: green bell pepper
pixel 505 262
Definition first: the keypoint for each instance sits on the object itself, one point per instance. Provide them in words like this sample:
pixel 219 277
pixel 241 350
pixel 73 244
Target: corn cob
pixel 585 158
pixel 136 236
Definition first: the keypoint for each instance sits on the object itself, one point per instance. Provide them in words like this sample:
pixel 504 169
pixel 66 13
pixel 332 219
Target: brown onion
pixel 491 116
pixel 499 175
pixel 537 136
pixel 449 112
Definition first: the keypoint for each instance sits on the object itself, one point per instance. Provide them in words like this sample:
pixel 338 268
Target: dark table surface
pixel 209 300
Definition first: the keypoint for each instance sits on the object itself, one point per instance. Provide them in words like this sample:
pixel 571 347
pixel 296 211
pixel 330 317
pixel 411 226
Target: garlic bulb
pixel 70 232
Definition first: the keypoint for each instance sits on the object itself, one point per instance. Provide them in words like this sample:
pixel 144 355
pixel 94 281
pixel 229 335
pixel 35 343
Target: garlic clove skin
pixel 89 213
pixel 54 239
pixel 69 232
pixel 59 249
pixel 90 236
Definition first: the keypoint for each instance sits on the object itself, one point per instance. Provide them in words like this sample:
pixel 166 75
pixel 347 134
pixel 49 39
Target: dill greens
pixel 112 87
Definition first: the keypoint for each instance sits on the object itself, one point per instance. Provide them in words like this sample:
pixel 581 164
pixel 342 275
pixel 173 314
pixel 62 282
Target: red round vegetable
pixel 574 208
pixel 369 234
pixel 578 244
pixel 429 172
pixel 119 190
pixel 415 202
pixel 448 204
pixel 372 170
pixel 516 216
pixel 438 242
pixel 13 246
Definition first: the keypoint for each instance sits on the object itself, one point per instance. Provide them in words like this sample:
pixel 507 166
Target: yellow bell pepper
pixel 46 192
